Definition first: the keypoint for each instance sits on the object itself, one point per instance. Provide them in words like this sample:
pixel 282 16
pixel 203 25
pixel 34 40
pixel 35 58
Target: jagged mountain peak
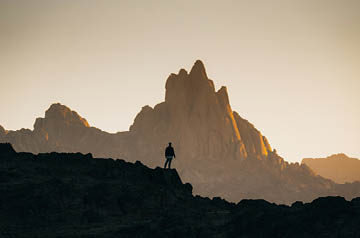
pixel 62 114
pixel 185 88
pixel 182 72
pixel 195 111
pixel 57 108
pixel 223 97
pixel 198 70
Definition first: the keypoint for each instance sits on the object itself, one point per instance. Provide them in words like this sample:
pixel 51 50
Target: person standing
pixel 169 155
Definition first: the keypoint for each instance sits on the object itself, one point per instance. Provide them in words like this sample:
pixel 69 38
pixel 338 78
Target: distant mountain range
pixel 338 167
pixel 217 150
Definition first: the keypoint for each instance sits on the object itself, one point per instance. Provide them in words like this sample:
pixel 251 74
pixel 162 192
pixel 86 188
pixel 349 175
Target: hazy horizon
pixel 292 68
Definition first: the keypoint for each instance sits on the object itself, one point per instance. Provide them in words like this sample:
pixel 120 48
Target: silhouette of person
pixel 169 155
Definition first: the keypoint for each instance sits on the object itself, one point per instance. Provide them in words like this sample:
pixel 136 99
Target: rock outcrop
pixel 6 150
pixel 74 195
pixel 338 167
pixel 217 150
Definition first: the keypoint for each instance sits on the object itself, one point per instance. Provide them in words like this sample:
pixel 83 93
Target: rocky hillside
pixel 339 167
pixel 218 151
pixel 74 195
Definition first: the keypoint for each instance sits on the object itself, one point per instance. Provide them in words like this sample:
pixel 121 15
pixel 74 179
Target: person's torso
pixel 169 151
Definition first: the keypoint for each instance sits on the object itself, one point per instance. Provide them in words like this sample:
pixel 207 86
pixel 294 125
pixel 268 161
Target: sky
pixel 292 67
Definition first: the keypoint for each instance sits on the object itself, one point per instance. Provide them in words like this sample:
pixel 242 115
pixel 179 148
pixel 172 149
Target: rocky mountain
pixel 338 167
pixel 74 195
pixel 218 151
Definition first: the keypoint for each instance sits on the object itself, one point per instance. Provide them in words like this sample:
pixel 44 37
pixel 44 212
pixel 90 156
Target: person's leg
pixel 170 163
pixel 166 161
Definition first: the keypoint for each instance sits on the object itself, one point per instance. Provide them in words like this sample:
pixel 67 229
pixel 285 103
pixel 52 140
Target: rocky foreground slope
pixel 74 195
pixel 218 151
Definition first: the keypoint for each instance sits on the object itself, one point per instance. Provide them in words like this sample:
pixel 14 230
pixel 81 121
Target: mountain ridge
pixel 217 150
pixel 337 167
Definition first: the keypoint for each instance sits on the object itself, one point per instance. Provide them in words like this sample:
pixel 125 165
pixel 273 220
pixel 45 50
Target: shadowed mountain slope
pixel 217 150
pixel 339 167
pixel 74 195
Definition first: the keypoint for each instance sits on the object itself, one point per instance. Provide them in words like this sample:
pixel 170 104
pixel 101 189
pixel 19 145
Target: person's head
pixel 170 144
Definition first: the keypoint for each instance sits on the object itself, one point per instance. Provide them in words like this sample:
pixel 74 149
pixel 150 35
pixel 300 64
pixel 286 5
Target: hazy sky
pixel 292 68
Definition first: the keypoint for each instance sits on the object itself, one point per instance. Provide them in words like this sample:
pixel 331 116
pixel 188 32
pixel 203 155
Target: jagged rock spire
pixel 185 88
pixel 198 71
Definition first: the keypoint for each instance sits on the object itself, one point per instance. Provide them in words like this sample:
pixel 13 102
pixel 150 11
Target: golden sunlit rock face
pixel 339 168
pixel 203 116
pixel 217 150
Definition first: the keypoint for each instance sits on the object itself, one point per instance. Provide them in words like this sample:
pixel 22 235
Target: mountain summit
pixel 203 116
pixel 64 115
pixel 59 116
pixel 338 167
pixel 218 151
